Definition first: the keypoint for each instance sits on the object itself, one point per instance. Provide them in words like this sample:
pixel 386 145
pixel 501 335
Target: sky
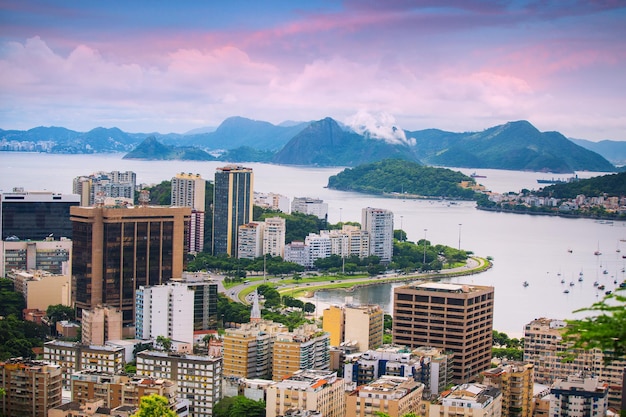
pixel 457 65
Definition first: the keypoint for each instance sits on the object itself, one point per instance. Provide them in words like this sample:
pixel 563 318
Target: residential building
pixel 274 237
pixel 272 201
pixel 164 310
pixel 467 400
pixel 379 225
pixel 363 368
pixel 306 347
pixel 233 196
pixel 101 324
pixel 309 205
pixel 436 371
pixel 188 190
pixel 456 318
pixel 73 357
pixel 114 184
pixel 198 378
pixel 298 252
pixel 394 395
pixel 333 322
pixel 578 396
pixel 93 408
pixel 250 240
pixel 312 390
pixel 318 246
pixel 31 387
pixel 248 349
pixel 42 289
pixel 516 381
pixel 204 299
pixel 119 248
pixel 50 255
pixel 35 215
pixel 362 325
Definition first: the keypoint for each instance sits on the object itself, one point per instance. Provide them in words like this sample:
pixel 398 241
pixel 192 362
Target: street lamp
pixel 401 229
pixel 424 263
pixel 460 224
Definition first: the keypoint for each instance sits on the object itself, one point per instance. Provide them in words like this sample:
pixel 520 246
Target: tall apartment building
pixel 233 196
pixel 578 396
pixel 99 185
pixel 199 378
pixel 515 380
pixel 309 390
pixel 394 395
pixel 101 324
pixel 362 325
pixel 306 347
pixel 543 348
pixel 379 225
pixel 274 237
pixel 42 289
pixel 31 387
pixel 188 190
pixel 248 349
pixel 457 318
pixel 35 215
pixel 468 400
pixel 54 256
pixel 117 249
pixel 204 299
pixel 250 240
pixel 436 371
pixel 164 310
pixel 298 252
pixel 309 205
pixel 73 357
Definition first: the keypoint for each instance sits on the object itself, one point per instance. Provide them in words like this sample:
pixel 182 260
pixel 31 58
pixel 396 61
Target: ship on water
pixel 557 180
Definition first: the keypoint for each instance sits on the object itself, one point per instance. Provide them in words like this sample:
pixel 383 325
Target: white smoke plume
pixel 379 126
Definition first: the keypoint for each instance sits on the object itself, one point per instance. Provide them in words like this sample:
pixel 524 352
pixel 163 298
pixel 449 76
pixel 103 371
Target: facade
pixel 250 240
pixel 312 206
pixel 298 252
pixel 35 215
pixel 307 347
pixel 379 225
pixel 436 371
pixel 42 289
pixel 115 184
pixel 334 324
pixel 198 378
pixel 578 396
pixel 204 299
pixel 456 318
pixel 73 357
pixel 515 381
pixel 117 249
pixel 31 387
pixel 364 324
pixel 272 201
pixel 248 349
pixel 101 324
pixel 188 190
pixel 366 367
pixel 274 237
pixel 394 395
pixel 311 390
pixel 543 349
pixel 54 256
pixel 467 400
pixel 233 197
pixel 319 247
pixel 164 310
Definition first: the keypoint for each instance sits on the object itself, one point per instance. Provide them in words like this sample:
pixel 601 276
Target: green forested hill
pixel 613 185
pixel 403 177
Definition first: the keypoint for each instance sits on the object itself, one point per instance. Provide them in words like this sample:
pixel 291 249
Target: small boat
pixel 566 291
pixel 570 251
pixel 607 292
pixel 595 284
pixel 605 272
pixel 601 287
pixel 571 284
pixel 525 284
pixel 475 175
pixel 597 253
pixel 580 279
pixel 562 281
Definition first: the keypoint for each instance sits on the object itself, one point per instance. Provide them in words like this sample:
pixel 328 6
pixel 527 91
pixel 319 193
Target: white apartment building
pixel 199 378
pixel 272 201
pixel 250 240
pixel 274 237
pixel 319 247
pixel 379 224
pixel 114 184
pixel 298 252
pixel 188 190
pixel 308 205
pixel 578 396
pixel 165 310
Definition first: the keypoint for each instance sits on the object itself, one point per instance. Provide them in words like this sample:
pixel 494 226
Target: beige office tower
pixel 307 390
pixel 456 318
pixel 188 190
pixel 515 380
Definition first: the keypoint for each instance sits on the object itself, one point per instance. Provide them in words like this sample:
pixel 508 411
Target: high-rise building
pixel 101 324
pixel 31 387
pixel 309 205
pixel 457 318
pixel 274 237
pixel 312 390
pixel 35 215
pixel 204 299
pixel 360 325
pixel 379 225
pixel 99 185
pixel 393 395
pixel 164 310
pixel 468 400
pixel 578 396
pixel 117 249
pixel 250 240
pixel 188 190
pixel 233 196
pixel 199 378
pixel 306 347
pixel 515 380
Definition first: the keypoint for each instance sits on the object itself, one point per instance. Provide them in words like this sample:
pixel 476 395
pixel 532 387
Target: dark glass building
pixel 233 198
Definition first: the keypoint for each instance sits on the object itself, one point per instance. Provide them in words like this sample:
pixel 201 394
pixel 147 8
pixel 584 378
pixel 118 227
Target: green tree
pixel 239 406
pixel 154 405
pixel 59 312
pixel 164 342
pixel 11 301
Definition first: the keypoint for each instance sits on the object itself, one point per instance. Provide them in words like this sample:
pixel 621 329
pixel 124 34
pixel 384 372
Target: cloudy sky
pixel 458 65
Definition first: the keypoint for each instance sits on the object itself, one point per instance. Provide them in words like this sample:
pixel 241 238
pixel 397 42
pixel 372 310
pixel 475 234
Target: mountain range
pixel 514 145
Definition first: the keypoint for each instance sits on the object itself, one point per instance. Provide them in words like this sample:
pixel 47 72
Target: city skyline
pixel 457 66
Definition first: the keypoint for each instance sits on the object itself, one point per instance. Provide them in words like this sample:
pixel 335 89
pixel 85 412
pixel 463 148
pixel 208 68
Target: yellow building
pixel 393 395
pixel 516 381
pixel 307 347
pixel 360 325
pixel 333 322
pixel 311 390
